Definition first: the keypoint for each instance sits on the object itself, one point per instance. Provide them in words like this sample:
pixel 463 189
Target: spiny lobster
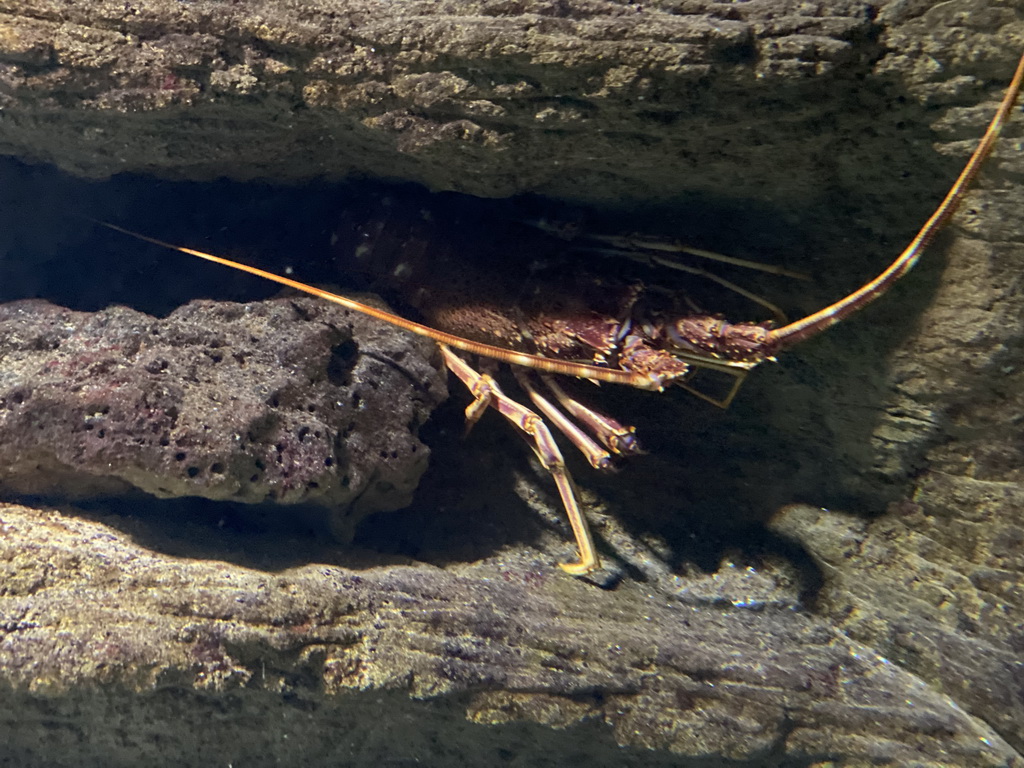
pixel 562 329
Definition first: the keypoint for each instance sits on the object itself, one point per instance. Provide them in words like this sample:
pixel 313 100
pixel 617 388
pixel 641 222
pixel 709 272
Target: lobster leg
pixel 654 253
pixel 598 457
pixel 486 393
pixel 617 438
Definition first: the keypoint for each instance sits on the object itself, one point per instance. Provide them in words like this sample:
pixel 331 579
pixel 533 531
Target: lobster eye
pixel 676 337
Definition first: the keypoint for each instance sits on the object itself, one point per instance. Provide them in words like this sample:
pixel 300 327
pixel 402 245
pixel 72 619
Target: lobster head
pixel 714 336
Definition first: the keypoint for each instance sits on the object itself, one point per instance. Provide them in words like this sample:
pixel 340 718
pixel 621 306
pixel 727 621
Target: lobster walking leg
pixel 642 248
pixel 598 457
pixel 618 438
pixel 487 393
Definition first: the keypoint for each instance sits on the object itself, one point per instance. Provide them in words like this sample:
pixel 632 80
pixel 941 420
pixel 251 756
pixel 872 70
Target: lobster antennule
pixel 817 322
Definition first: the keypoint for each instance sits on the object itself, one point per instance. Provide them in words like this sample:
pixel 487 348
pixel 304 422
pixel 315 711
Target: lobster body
pixel 529 295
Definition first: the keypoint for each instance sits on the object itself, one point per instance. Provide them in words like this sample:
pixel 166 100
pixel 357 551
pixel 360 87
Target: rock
pixel 594 101
pixel 935 586
pixel 315 661
pixel 290 400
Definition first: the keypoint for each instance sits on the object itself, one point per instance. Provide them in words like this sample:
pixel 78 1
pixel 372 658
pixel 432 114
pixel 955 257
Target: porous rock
pixel 287 400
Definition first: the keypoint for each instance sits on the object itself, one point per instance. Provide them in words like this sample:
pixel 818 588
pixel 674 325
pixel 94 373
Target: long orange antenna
pixel 563 367
pixel 825 318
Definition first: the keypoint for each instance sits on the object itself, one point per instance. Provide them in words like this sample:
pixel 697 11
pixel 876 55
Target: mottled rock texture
pixel 818 135
pixel 935 586
pixel 587 99
pixel 288 400
pixel 594 100
pixel 313 663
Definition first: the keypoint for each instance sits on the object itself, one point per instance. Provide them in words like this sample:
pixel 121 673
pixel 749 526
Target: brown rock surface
pixel 583 99
pixel 935 587
pixel 126 655
pixel 286 400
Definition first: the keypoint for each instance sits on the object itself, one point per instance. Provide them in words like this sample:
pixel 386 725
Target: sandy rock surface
pixel 489 97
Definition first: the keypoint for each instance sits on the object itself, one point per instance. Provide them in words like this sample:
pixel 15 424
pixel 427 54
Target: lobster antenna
pixel 611 375
pixel 537 362
pixel 832 314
